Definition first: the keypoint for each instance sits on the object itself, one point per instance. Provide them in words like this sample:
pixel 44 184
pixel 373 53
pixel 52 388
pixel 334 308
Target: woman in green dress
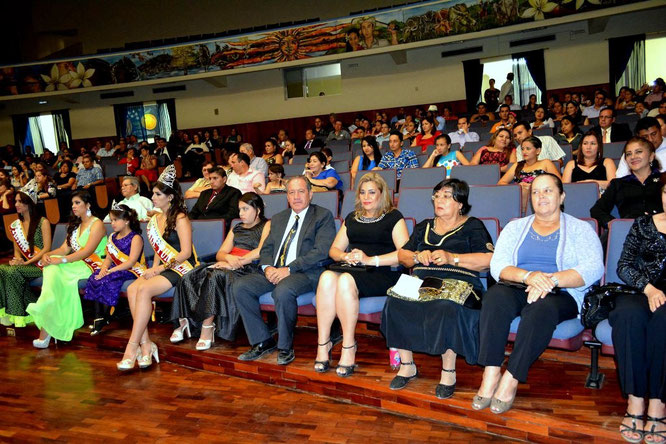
pixel 32 239
pixel 58 311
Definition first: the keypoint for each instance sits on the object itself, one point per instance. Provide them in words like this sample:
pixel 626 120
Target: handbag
pixel 434 288
pixel 600 300
pixel 344 267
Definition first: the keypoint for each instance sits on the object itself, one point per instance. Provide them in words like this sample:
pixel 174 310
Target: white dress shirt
pixel 461 138
pixel 550 150
pixel 660 155
pixel 291 253
pixel 245 183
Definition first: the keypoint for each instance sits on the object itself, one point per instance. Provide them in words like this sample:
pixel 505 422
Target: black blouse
pixel 643 256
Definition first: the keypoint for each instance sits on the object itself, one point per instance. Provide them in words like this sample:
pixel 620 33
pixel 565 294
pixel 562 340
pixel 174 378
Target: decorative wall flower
pixel 580 3
pixel 538 7
pixel 80 77
pixel 56 81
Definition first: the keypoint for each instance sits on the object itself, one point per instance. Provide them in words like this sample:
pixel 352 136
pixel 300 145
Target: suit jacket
pixel 224 206
pixel 316 237
pixel 316 145
pixel 620 132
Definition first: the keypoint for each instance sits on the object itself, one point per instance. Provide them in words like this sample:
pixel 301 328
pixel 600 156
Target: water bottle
pixel 394 358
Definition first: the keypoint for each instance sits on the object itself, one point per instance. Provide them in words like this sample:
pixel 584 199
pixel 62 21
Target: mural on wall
pixel 390 27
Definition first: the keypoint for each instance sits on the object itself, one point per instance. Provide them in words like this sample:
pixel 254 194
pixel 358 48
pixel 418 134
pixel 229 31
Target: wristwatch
pixel 456 260
pixel 415 258
pixel 555 281
pixel 64 259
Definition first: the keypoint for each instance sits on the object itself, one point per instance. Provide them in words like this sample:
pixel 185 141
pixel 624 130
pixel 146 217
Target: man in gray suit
pixel 292 258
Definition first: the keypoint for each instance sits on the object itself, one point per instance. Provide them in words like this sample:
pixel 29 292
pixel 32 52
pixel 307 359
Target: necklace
pixel 369 220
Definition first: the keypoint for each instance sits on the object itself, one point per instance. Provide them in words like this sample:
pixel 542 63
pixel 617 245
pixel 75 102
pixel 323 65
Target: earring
pixel 88 212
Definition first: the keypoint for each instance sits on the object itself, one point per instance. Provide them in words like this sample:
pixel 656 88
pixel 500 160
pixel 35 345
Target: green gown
pixel 15 293
pixel 58 309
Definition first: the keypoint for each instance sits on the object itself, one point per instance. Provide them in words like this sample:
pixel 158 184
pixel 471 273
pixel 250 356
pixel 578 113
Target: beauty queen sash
pixel 94 262
pixel 19 236
pixel 118 257
pixel 163 250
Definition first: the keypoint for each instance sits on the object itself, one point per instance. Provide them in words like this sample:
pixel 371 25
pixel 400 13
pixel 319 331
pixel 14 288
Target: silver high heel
pixel 204 344
pixel 182 331
pixel 147 360
pixel 128 364
pixel 42 343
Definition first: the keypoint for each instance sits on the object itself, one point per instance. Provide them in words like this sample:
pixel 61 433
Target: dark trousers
pixel 639 339
pixel 247 290
pixel 501 305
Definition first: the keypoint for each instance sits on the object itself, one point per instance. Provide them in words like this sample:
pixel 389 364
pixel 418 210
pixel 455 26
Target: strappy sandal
pixel 324 366
pixel 345 371
pixel 653 432
pixel 443 391
pixel 400 382
pixel 625 428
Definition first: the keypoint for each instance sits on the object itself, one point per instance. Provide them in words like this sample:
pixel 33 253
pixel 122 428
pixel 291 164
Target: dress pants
pixel 639 339
pixel 500 306
pixel 247 290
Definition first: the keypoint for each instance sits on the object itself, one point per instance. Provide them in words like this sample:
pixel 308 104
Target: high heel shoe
pixel 324 366
pixel 147 360
pixel 180 333
pixel 128 364
pixel 345 371
pixel 42 343
pixel 98 325
pixel 443 391
pixel 400 382
pixel 204 344
pixel 498 407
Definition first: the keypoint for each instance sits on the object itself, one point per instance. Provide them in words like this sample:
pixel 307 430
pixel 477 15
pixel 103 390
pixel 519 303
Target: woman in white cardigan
pixel 554 257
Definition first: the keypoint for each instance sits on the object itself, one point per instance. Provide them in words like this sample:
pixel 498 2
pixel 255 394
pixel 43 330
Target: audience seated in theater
pixel 508 101
pixel 57 312
pixel 446 252
pixel 357 136
pixel 338 132
pixel 569 134
pixel 65 180
pixel 219 202
pixel 438 120
pixel 320 177
pixel 320 132
pixel 463 134
pixel 427 136
pixel 193 157
pixel 409 132
pixel 572 109
pixel 234 138
pixel 292 259
pixel 89 175
pixel 626 98
pixel 256 163
pixel 648 128
pixel 442 156
pixel 18 178
pixel 203 303
pixel 147 171
pixel 593 111
pixel 661 109
pixel 590 165
pixel 6 195
pixel 661 118
pixel 289 151
pixel 550 150
pixel 548 261
pixel 162 152
pixel 124 261
pixel 46 187
pixel 282 136
pixel 271 155
pixel 504 122
pixel 531 104
pixel 107 150
pixel 200 184
pixel 482 114
pixel 524 171
pixel 652 93
pixel 640 110
pixel 31 236
pixel 276 181
pixel 499 150
pixel 384 133
pixel 397 158
pixel 216 139
pixel 635 194
pixel 639 329
pixel 243 177
pixel 369 158
pixel 558 111
pixel 609 130
pixel 129 188
pixel 541 120
pixel 170 234
pixel 311 142
pixel 131 160
pixel 369 237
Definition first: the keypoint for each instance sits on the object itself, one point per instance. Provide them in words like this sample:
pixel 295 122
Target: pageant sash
pixel 163 250
pixel 94 262
pixel 19 236
pixel 118 257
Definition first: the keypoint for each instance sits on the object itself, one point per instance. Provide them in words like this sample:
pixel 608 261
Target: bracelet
pixel 376 261
pixel 526 276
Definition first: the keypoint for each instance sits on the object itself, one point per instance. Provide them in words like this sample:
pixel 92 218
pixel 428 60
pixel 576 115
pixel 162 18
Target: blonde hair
pixel 386 201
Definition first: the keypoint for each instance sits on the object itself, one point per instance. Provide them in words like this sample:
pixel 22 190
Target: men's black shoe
pixel 285 356
pixel 258 350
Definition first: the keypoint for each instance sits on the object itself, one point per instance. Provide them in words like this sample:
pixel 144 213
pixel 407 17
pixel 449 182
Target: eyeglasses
pixel 441 196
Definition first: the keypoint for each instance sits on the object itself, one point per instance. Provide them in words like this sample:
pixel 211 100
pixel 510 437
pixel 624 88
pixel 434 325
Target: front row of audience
pixel 543 264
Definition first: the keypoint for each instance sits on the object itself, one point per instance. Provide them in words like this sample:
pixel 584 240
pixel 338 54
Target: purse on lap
pixel 600 300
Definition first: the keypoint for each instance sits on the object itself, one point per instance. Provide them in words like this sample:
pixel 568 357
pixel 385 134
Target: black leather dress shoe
pixel 258 350
pixel 285 356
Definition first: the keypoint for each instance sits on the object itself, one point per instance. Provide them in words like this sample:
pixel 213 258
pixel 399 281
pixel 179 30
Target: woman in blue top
pixel 368 160
pixel 442 156
pixel 321 178
pixel 544 263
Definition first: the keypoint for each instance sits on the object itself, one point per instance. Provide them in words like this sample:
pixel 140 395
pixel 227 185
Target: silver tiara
pixel 115 206
pixel 168 176
pixel 31 190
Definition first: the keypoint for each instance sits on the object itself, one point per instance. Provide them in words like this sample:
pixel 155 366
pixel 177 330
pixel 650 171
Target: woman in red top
pixel 428 134
pixel 499 150
pixel 132 161
pixel 148 171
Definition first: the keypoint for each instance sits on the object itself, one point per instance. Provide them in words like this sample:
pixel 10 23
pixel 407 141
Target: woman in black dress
pixel 204 293
pixel 453 247
pixel 590 165
pixel 373 233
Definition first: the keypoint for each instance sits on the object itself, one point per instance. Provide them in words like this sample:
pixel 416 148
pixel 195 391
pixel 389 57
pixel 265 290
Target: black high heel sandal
pixel 661 435
pixel 625 428
pixel 443 391
pixel 324 366
pixel 345 371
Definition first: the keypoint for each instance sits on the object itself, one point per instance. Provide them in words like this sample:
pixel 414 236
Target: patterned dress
pixel 15 294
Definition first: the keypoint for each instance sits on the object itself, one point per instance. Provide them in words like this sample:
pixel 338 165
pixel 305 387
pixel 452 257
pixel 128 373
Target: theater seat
pixel 568 335
pixel 603 333
pixel 304 302
pixel 369 308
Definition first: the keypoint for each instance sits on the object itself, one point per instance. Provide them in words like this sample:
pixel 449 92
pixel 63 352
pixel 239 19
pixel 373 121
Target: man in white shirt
pixel 243 177
pixel 463 135
pixel 661 109
pixel 549 150
pixel 507 87
pixel 434 113
pixel 648 128
pixel 592 112
pixel 256 163
pixel 143 206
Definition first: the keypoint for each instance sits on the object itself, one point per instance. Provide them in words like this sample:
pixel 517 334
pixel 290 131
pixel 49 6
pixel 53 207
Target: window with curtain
pixel 634 73
pixel 44 131
pixel 146 120
pixel 528 75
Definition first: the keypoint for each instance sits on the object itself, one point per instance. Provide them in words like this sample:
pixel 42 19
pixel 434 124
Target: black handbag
pixel 600 300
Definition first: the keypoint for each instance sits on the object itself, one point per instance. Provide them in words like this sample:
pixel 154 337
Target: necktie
pixel 307 145
pixel 605 138
pixel 287 242
pixel 212 196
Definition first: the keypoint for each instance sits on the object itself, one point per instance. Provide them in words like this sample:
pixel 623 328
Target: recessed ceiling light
pixel 42 102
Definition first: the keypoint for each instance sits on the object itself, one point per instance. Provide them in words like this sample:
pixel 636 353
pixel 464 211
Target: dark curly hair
pixel 75 221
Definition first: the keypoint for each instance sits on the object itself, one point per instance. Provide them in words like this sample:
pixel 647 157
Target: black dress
pixel 173 240
pixel 434 327
pixel 598 173
pixel 374 239
pixel 206 292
